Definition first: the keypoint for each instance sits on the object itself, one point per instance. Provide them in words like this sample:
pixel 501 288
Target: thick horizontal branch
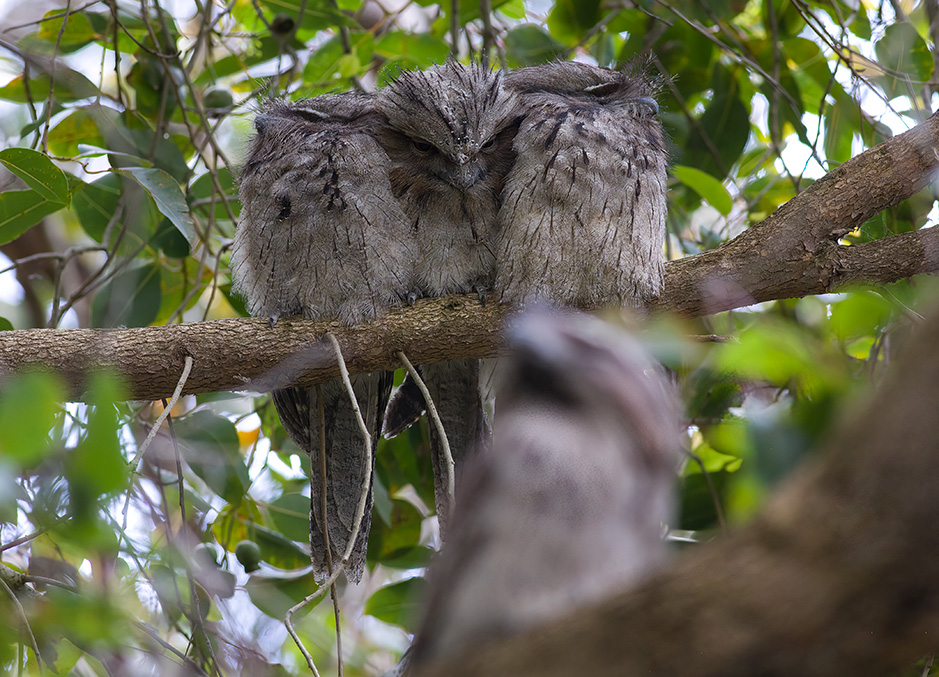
pixel 794 252
pixel 839 575
pixel 249 354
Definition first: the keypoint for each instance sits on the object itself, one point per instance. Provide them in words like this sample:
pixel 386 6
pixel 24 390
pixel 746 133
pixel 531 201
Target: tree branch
pixel 837 576
pixel 792 253
pixel 795 250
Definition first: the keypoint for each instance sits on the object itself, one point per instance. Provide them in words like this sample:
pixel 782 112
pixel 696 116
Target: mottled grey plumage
pixel 583 211
pixel 323 236
pixel 570 502
pixel 447 169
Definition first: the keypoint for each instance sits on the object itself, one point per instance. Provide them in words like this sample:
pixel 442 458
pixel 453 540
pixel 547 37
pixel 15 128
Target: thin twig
pixel 198 626
pixel 454 29
pixel 22 614
pixel 438 424
pixel 151 633
pixel 711 488
pixel 187 367
pixel 288 622
pixel 52 65
pixel 927 668
pixel 359 510
pixel 485 12
pixel 23 539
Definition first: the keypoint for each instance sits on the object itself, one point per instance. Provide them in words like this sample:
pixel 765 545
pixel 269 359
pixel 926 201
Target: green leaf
pixel 706 186
pixel 265 49
pixel 330 65
pixel 278 550
pixel 398 603
pixel 528 45
pixel 167 195
pixel 839 131
pixel 698 510
pixel 20 210
pixel 410 50
pixel 902 49
pixel 210 447
pixel 203 189
pixel 5 324
pixel 38 172
pixel 137 144
pixel 861 314
pixel 78 128
pixel 77 33
pixel 69 86
pixel 290 515
pixel 96 466
pixel 569 20
pixel 317 14
pixel 274 595
pixel 726 124
pixel 29 403
pixel 403 531
pixel 415 557
pixel 96 203
pixel 130 299
pixel 170 241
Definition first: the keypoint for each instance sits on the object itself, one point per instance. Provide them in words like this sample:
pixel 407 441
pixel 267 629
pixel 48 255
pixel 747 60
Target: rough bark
pixel 795 252
pixel 838 576
pixel 792 253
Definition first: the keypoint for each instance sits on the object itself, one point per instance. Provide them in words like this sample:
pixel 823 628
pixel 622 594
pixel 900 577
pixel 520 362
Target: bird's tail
pixel 349 472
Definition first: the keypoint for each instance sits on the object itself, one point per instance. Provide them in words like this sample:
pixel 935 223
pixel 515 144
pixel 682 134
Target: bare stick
pixel 22 539
pixel 288 622
pixel 438 424
pixel 187 367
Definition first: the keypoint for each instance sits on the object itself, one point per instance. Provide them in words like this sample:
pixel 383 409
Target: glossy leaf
pixel 569 20
pixel 38 172
pixel 75 34
pixel 96 204
pixel 167 195
pixel 20 210
pixel 398 603
pixel 209 443
pixel 290 515
pixel 706 186
pixel 274 595
pixel 726 126
pixel 412 51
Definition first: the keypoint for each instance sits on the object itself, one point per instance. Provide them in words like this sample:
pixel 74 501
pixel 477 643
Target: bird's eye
pixel 422 146
pixel 489 144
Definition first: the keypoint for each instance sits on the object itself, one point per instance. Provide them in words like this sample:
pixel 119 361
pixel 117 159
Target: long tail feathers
pixel 347 470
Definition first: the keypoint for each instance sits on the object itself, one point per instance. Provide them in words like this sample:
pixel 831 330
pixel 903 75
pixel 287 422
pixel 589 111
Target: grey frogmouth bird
pixel 448 166
pixel 571 501
pixel 583 209
pixel 322 235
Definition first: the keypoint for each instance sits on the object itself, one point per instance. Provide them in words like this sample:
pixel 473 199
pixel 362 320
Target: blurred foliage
pixel 122 129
